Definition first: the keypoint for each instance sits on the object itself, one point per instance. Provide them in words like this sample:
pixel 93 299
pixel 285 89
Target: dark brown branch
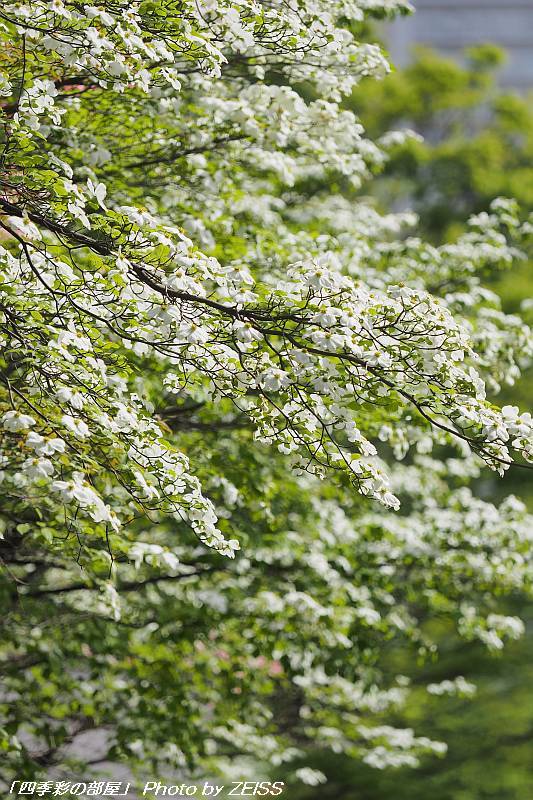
pixel 127 586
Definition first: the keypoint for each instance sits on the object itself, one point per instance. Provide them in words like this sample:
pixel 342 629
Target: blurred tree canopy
pixel 477 141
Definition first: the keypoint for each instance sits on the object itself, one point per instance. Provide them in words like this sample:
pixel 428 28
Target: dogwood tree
pixel 239 411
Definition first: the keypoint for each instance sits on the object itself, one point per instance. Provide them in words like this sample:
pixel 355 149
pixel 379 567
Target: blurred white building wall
pixel 451 25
